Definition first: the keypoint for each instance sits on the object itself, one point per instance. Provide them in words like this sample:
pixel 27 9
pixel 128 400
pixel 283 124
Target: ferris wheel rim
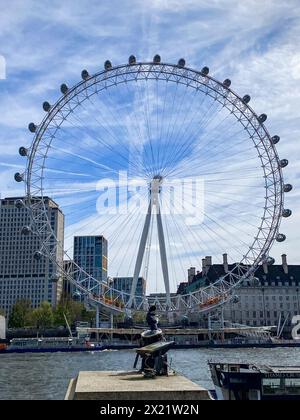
pixel 163 68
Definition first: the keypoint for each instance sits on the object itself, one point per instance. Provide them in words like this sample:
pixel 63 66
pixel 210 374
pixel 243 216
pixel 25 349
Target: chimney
pixel 204 266
pixel 191 274
pixel 285 264
pixel 208 261
pixel 265 267
pixel 225 263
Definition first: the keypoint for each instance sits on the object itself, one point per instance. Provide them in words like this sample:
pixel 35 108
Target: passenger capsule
pixel 18 177
pixel 227 83
pixel 85 74
pixel 77 295
pixel 255 281
pixel 26 231
pixel 287 213
pixel 46 106
pixel 107 65
pixel 287 188
pixel 281 237
pixel 157 59
pixel 262 118
pixel 270 261
pixel 19 204
pixel 235 299
pixel 181 62
pixel 205 71
pixel 132 60
pixel 32 127
pixel 246 99
pixel 284 163
pixel 37 255
pixel 23 151
pixel 275 139
pixel 64 89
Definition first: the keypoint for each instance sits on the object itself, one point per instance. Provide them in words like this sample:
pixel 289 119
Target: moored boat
pixel 243 381
pixel 50 345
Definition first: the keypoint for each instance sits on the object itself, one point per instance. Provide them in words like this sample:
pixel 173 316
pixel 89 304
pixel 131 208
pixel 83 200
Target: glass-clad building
pixel 90 253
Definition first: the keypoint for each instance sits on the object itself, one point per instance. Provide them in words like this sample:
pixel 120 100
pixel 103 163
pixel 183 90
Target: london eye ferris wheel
pixel 167 163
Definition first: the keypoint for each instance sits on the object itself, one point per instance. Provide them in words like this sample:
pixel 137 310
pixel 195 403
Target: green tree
pixel 43 316
pixel 2 312
pixel 59 315
pixel 74 311
pixel 20 314
pixel 139 318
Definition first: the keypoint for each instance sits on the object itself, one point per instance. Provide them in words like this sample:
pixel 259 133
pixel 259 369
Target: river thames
pixel 46 376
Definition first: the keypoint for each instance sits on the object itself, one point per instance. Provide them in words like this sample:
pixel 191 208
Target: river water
pixel 46 376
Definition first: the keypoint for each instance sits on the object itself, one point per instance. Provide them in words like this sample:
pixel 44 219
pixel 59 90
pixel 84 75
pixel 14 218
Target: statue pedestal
pixel 113 386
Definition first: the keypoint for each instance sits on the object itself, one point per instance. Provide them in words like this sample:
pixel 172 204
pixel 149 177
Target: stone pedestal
pixel 113 386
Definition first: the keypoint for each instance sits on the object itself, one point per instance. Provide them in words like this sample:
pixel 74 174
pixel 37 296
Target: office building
pixel 90 254
pixel 124 284
pixel 21 275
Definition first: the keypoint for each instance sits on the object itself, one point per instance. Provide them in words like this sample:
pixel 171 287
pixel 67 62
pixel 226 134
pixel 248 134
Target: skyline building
pixel 123 284
pixel 271 298
pixel 21 275
pixel 91 254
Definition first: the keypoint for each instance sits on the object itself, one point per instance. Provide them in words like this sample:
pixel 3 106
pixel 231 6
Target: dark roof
pixel 276 275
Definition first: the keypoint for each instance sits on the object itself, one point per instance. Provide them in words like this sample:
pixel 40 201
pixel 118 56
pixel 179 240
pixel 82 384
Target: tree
pixel 2 312
pixel 43 316
pixel 74 312
pixel 20 314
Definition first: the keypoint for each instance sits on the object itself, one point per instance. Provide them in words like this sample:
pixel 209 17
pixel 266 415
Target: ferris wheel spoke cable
pixel 167 139
pixel 214 140
pixel 183 126
pixel 172 102
pixel 142 99
pixel 136 122
pixel 182 235
pixel 133 257
pixel 110 222
pixel 148 251
pixel 176 223
pixel 83 158
pixel 216 242
pixel 189 137
pixel 210 154
pixel 207 152
pixel 245 221
pixel 133 232
pixel 125 130
pixel 71 162
pixel 224 197
pixel 129 217
pixel 100 140
pixel 170 251
pixel 215 222
pixel 186 141
pixel 180 259
pixel 79 140
pixel 159 124
pixel 223 163
pixel 171 133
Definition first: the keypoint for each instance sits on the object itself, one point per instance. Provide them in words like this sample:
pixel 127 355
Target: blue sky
pixel 254 43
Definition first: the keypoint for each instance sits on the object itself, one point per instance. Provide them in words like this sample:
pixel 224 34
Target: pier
pixel 117 386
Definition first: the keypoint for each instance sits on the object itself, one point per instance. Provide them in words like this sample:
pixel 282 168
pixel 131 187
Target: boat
pixel 245 381
pixel 50 345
